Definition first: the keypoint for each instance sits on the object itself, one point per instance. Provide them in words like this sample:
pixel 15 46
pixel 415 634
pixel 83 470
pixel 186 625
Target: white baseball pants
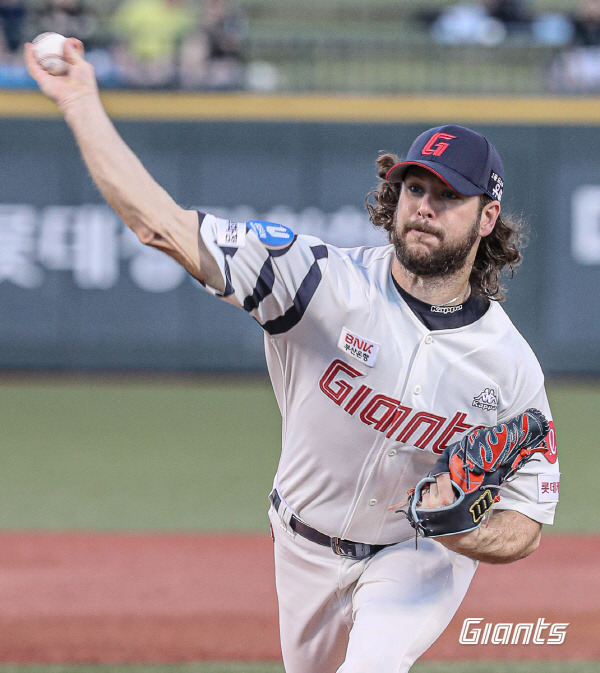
pixel 376 615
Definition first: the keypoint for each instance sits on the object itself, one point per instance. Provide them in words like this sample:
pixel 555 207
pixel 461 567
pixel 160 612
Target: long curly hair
pixel 500 250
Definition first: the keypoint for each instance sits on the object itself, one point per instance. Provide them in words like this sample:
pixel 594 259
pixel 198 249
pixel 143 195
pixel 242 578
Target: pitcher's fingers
pixel 73 50
pixel 446 493
pixel 429 496
pixel 33 67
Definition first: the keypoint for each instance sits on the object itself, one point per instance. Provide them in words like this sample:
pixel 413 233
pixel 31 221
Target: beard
pixel 444 260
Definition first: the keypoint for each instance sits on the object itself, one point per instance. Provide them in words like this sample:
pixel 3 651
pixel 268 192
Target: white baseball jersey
pixel 368 394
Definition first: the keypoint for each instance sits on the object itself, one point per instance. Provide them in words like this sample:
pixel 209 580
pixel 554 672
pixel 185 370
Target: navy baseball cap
pixel 463 159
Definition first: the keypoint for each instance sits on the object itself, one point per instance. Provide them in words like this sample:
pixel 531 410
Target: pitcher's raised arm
pixel 144 206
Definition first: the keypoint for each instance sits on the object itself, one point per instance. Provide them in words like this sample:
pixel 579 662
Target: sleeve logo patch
pixel 548 487
pixel 270 233
pixel 356 347
pixel 231 234
pixel 551 452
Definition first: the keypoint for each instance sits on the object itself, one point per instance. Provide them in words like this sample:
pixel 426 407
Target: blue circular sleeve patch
pixel 270 233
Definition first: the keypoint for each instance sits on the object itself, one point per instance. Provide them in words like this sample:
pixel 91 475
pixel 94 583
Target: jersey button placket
pixel 428 339
pixel 417 371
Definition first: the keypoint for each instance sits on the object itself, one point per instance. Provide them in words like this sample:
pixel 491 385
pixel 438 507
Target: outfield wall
pixel 79 292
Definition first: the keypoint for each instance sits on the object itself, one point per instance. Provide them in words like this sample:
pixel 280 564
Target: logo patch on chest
pixel 357 347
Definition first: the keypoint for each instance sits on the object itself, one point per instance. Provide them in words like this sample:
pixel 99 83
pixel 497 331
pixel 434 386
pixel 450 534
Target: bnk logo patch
pixel 357 347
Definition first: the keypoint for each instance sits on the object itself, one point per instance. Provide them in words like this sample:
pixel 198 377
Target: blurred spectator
pixel 72 18
pixel 149 36
pixel 212 55
pixel 487 22
pixel 12 15
pixel 553 29
pixel 468 23
pixel 578 70
pixel 225 27
pixel 514 14
pixel 587 24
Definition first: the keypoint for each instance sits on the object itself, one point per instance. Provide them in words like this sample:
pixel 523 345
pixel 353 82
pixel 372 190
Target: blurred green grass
pixel 130 454
pixel 109 453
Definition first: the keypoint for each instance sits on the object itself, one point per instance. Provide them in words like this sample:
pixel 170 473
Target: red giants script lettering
pixel 385 414
pixel 435 147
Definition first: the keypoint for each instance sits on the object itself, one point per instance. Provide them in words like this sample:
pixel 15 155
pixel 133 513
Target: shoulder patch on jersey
pixel 231 234
pixel 548 487
pixel 270 233
pixel 357 347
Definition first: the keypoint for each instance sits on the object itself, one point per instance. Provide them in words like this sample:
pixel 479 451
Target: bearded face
pixel 421 255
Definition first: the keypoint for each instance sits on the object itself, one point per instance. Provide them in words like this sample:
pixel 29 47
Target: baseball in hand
pixel 48 48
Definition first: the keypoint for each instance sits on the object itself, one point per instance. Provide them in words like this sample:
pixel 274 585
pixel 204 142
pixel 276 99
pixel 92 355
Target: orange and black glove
pixel 478 465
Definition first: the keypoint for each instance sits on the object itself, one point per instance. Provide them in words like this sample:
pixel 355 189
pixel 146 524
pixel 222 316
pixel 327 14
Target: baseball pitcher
pixel 417 438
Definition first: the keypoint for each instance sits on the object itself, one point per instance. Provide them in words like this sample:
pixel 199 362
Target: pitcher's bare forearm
pixel 507 536
pixel 124 182
pixel 140 201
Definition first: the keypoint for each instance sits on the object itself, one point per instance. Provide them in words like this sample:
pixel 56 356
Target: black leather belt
pixel 354 550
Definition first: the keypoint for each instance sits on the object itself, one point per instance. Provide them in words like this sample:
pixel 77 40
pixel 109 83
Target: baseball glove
pixel 478 465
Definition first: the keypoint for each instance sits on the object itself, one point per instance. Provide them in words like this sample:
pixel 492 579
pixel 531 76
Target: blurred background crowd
pixel 355 46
